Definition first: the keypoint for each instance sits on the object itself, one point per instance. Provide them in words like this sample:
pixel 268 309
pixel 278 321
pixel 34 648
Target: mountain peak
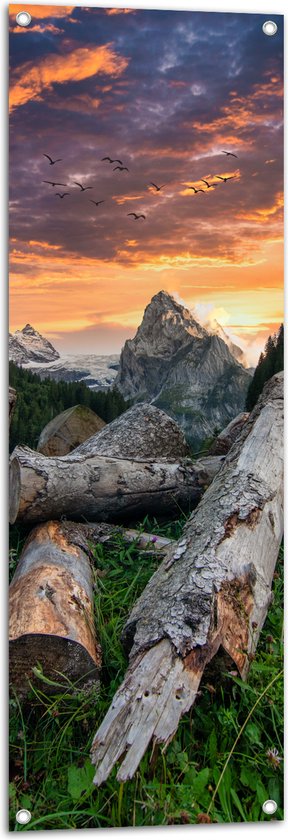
pixel 28 330
pixel 27 345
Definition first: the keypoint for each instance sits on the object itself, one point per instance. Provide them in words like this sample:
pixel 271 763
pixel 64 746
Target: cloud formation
pixel 166 93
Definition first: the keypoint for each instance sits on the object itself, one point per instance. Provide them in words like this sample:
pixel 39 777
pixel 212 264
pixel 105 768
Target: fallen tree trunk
pixel 212 591
pixel 101 488
pixel 227 437
pixel 51 610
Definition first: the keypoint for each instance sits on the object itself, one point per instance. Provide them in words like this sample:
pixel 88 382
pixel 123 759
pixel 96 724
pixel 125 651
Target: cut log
pixel 227 437
pixel 12 402
pixel 68 430
pixel 51 610
pixel 84 486
pixel 144 432
pixel 211 592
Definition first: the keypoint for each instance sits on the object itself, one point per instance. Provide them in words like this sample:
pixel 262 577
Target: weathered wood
pixel 96 487
pixel 12 402
pixel 68 430
pixel 212 591
pixel 51 609
pixel 227 437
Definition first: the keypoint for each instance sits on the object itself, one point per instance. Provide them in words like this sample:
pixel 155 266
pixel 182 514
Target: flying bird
pixel 140 216
pixel 225 179
pixel 51 161
pixel 121 168
pixel 156 187
pixel 208 185
pixel 229 154
pixel 83 189
pixel 54 183
pixel 113 161
pixel 196 191
pixel 61 195
pixel 96 202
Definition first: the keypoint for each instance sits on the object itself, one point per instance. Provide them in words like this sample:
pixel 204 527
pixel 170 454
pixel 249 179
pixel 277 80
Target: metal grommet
pixel 269 806
pixel 23 18
pixel 269 27
pixel 23 816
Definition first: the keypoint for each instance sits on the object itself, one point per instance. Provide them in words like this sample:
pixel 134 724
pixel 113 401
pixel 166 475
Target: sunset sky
pixel 165 92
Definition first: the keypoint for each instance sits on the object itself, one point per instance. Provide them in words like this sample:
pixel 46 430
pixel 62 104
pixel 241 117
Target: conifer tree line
pixel 270 361
pixel 39 401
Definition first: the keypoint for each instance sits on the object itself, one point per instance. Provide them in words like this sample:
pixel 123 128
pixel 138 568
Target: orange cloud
pixel 121 199
pixel 46 245
pixel 39 27
pixel 262 214
pixel 31 80
pixel 119 11
pixel 40 12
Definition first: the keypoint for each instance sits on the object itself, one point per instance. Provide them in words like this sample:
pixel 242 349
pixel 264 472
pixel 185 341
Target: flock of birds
pixel 121 168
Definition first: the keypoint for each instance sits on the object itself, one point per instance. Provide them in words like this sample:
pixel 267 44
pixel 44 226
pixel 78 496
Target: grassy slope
pixel 51 736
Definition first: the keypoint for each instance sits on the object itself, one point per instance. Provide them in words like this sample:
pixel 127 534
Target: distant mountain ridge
pixel 30 350
pixel 183 368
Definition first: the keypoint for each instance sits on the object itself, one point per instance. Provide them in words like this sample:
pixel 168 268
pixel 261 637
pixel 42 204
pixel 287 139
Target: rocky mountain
pixel 27 345
pixel 214 328
pixel 30 350
pixel 178 365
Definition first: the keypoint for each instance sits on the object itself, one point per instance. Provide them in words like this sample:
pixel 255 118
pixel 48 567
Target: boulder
pixel 142 433
pixel 68 430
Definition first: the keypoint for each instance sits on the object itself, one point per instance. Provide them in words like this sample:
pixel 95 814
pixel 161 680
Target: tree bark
pixel 212 591
pixel 96 487
pixel 51 610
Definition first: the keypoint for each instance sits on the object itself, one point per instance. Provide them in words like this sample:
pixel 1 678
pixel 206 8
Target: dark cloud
pixel 191 84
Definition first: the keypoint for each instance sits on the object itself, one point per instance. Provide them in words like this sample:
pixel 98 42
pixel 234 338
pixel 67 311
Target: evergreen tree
pixel 270 362
pixel 39 401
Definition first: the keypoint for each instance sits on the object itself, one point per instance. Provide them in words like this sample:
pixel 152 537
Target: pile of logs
pixel 211 591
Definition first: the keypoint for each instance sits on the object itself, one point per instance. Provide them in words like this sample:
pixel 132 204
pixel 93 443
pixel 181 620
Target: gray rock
pixel 141 433
pixel 68 430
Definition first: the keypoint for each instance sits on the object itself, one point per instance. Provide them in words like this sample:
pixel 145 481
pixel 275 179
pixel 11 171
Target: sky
pixel 165 92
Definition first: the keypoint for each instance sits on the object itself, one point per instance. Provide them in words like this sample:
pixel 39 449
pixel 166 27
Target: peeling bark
pixel 212 590
pixel 89 486
pixel 51 609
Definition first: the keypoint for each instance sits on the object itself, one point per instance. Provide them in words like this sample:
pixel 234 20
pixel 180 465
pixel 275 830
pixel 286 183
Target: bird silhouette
pixel 139 216
pixel 225 179
pixel 156 187
pixel 121 168
pixel 55 183
pixel 61 195
pixel 83 189
pixel 96 202
pixel 196 191
pixel 113 161
pixel 208 185
pixel 229 154
pixel 51 161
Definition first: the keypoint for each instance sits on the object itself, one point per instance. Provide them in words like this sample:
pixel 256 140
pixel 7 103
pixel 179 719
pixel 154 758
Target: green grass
pixel 51 735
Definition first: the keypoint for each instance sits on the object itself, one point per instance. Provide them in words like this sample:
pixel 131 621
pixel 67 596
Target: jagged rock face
pixel 176 364
pixel 214 328
pixel 28 345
